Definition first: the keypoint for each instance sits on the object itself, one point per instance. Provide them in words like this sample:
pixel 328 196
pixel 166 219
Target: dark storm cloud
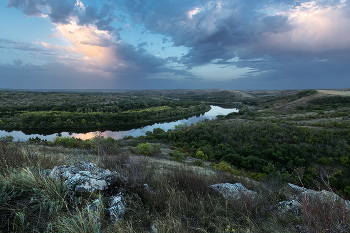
pixel 209 33
pixel 138 61
pixel 60 11
pixel 236 27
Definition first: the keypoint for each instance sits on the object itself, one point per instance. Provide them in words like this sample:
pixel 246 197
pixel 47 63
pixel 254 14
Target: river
pixel 215 110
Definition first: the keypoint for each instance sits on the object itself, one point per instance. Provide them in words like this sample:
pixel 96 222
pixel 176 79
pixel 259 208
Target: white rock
pixel 85 177
pixel 233 191
pixel 324 195
pixel 291 205
pixel 117 207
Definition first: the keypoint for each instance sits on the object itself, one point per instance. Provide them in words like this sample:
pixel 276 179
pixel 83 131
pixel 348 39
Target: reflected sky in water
pixel 215 110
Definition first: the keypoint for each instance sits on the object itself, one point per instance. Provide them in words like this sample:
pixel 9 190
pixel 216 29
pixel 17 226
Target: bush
pixel 7 138
pixel 198 163
pixel 178 155
pixel 224 166
pixel 143 148
pixel 201 155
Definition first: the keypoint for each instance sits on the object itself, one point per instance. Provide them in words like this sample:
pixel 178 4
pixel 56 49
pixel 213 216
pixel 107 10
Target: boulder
pixel 85 177
pixel 327 196
pixel 116 207
pixel 233 191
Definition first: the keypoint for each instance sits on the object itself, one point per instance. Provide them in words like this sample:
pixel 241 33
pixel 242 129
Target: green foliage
pixel 306 93
pixel 92 111
pixel 180 127
pixel 19 222
pixel 156 148
pixel 257 175
pixel 330 102
pixel 143 148
pixel 243 110
pixel 8 194
pixel 34 140
pixel 269 169
pixel 344 160
pixel 347 191
pixel 7 138
pixel 320 112
pixel 201 155
pixel 72 142
pixel 199 163
pixel 233 159
pixel 224 166
pixel 178 155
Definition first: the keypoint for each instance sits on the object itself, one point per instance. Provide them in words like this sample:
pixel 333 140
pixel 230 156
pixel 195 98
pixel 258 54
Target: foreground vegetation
pixel 179 198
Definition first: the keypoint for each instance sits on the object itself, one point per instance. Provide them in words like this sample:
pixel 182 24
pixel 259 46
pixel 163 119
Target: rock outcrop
pixel 323 195
pixel 85 177
pixel 233 191
pixel 294 204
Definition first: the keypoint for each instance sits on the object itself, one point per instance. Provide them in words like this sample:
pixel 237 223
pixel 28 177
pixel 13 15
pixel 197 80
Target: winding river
pixel 118 134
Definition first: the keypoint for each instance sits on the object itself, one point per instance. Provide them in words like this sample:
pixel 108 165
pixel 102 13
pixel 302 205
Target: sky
pixel 168 44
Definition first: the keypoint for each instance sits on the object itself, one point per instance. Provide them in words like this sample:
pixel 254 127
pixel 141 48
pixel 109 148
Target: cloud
pixel 246 28
pixel 230 41
pixel 63 11
pixel 18 62
pixel 96 47
pixel 54 35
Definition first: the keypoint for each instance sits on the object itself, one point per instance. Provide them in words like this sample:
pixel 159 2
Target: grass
pixel 177 198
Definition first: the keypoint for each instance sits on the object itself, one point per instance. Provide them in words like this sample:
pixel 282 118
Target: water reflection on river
pixel 215 110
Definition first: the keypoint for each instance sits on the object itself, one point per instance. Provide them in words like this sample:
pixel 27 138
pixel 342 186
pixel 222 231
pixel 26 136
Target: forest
pixel 75 110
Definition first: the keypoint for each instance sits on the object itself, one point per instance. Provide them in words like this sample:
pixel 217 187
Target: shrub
pixel 224 166
pixel 156 148
pixel 198 163
pixel 7 138
pixel 7 194
pixel 347 191
pixel 143 148
pixel 34 140
pixel 178 155
pixel 201 155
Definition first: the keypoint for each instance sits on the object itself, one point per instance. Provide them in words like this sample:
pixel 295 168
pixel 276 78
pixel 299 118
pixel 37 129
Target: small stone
pixel 117 207
pixel 291 205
